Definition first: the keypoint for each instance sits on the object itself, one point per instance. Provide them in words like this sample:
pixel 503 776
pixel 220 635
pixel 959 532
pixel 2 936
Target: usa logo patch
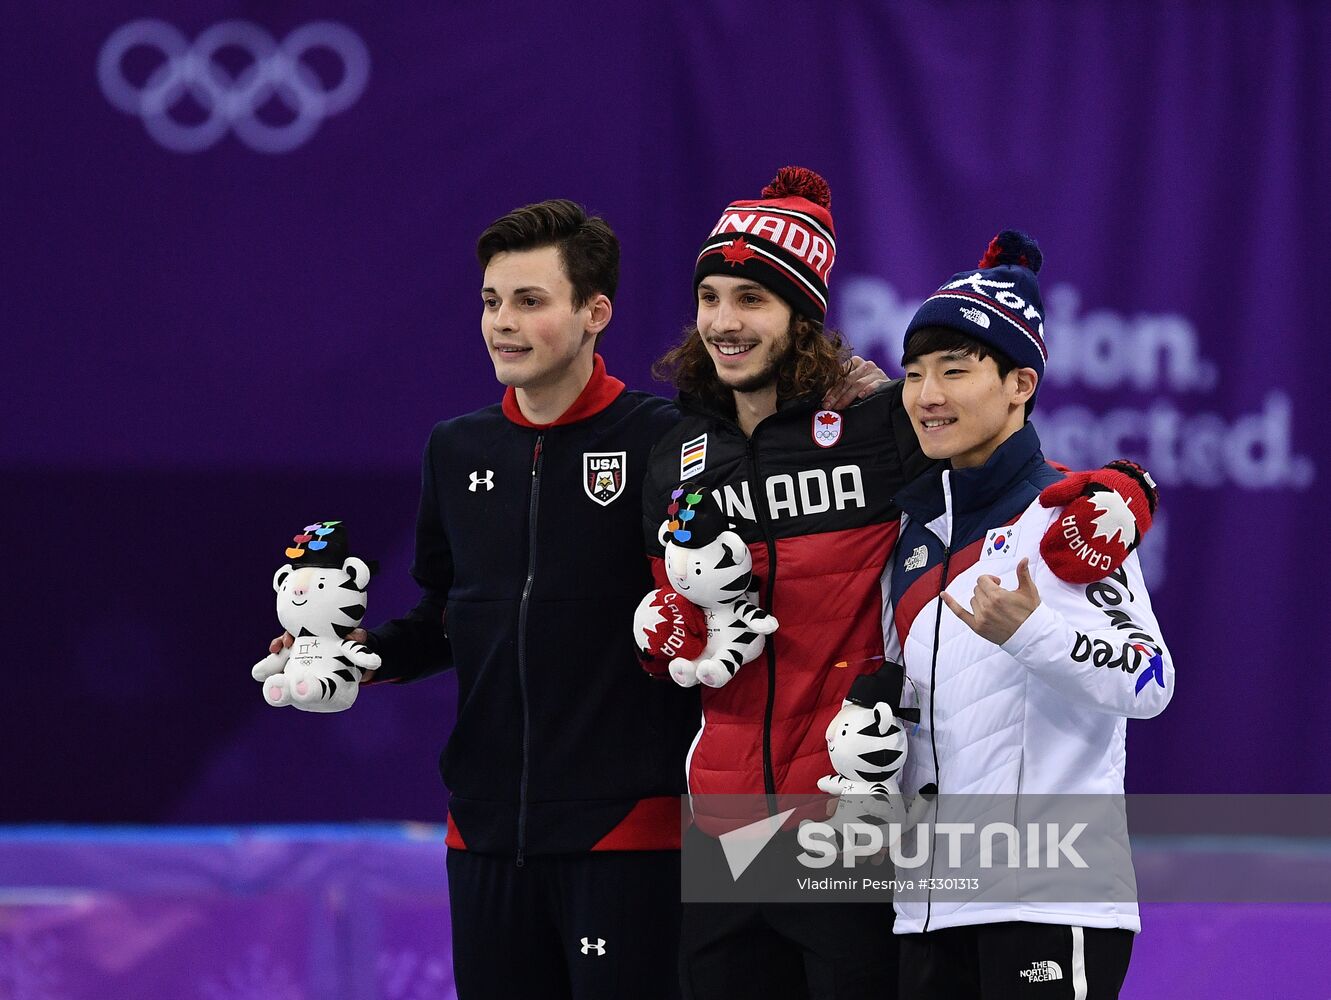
pixel 826 428
pixel 603 475
pixel 1000 541
pixel 692 458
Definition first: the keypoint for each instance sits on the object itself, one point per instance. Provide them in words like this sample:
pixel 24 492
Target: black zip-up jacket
pixel 812 494
pixel 530 560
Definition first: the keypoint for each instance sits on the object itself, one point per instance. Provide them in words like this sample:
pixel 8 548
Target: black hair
pixel 932 339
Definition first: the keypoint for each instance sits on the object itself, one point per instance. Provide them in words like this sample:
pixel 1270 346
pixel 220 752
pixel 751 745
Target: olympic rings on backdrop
pixel 232 102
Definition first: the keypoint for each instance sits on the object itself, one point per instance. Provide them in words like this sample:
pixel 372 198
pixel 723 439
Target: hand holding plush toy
pixel 321 597
pixel 868 748
pixel 710 570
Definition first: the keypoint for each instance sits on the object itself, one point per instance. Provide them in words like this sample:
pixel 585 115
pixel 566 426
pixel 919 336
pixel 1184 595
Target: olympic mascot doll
pixel 868 747
pixel 710 570
pixel 320 600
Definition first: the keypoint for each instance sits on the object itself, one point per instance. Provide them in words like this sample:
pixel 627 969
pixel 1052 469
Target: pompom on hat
pixel 785 241
pixel 997 302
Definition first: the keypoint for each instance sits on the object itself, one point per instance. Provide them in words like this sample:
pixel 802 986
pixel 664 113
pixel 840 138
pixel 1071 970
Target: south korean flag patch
pixel 999 542
pixel 826 428
pixel 603 475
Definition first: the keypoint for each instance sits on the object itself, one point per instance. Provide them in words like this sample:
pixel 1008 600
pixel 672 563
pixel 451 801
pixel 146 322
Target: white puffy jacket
pixel 1045 713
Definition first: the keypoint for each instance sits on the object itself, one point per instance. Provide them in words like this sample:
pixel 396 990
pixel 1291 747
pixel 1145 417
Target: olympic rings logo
pixel 232 101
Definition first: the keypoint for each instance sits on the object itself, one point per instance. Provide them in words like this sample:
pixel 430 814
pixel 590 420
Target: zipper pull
pixel 521 863
pixel 535 461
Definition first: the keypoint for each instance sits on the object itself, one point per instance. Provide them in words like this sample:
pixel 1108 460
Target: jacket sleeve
pixel 1098 644
pixel 911 458
pixel 653 511
pixel 891 640
pixel 417 645
pixel 655 497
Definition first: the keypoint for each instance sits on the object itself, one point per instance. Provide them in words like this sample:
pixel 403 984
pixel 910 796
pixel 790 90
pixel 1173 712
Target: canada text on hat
pixel 784 241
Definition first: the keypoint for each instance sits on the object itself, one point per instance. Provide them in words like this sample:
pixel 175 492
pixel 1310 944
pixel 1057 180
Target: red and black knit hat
pixel 785 241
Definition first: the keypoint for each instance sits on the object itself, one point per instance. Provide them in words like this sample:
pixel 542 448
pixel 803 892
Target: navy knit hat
pixel 997 302
pixel 784 240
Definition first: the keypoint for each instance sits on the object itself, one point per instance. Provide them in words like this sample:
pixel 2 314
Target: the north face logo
pixel 917 559
pixel 1042 972
pixel 976 316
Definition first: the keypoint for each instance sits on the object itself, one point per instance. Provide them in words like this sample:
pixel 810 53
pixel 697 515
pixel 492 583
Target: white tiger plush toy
pixel 868 748
pixel 321 597
pixel 710 567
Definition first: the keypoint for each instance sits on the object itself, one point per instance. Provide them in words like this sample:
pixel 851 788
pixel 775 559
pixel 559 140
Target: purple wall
pixel 214 347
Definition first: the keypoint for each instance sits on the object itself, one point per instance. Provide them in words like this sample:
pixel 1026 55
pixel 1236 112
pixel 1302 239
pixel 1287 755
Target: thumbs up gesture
pixel 997 613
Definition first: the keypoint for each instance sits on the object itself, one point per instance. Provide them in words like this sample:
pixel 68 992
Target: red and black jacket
pixel 529 557
pixel 811 492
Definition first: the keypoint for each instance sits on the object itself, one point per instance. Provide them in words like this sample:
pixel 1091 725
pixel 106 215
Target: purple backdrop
pixel 214 347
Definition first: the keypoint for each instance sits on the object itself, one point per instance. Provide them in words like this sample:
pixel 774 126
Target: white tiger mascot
pixel 868 747
pixel 710 567
pixel 321 597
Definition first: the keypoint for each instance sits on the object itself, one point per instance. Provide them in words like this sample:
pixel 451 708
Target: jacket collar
pixel 974 489
pixel 691 403
pixel 601 390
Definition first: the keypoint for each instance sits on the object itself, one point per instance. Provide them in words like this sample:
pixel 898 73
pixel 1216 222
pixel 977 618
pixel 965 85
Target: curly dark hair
pixel 818 359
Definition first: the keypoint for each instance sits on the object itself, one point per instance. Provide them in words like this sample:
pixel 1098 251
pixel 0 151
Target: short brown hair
pixel 588 248
pixel 818 360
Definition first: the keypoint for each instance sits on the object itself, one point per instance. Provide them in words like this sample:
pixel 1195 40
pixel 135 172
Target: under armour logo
pixel 487 480
pixel 598 946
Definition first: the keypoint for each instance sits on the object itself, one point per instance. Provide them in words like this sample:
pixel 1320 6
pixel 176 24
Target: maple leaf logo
pixel 1115 520
pixel 827 418
pixel 737 251
pixel 651 618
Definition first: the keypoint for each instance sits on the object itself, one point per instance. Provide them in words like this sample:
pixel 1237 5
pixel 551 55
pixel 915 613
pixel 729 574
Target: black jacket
pixel 812 493
pixel 529 555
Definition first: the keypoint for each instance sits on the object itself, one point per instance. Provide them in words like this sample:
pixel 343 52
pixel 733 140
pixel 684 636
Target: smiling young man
pixel 809 488
pixel 564 765
pixel 1025 680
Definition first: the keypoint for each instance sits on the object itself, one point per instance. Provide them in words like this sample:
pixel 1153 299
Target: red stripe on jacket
pixel 651 825
pixel 926 588
pixel 828 602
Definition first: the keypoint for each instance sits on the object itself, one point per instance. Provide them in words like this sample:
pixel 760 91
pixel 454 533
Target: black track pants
pixel 1012 960
pixel 594 926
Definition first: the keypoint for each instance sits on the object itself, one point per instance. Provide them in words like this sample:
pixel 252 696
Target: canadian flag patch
pixel 826 428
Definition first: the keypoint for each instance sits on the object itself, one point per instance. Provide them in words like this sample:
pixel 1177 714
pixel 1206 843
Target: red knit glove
pixel 665 626
pixel 1108 511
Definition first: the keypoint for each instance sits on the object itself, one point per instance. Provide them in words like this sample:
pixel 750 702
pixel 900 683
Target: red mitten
pixel 1108 511
pixel 665 626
